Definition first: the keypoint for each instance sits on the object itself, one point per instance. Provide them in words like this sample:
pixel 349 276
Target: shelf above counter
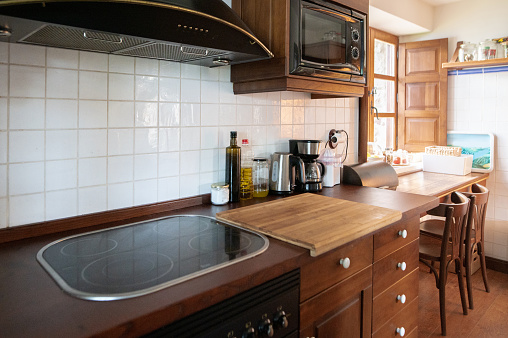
pixel 475 64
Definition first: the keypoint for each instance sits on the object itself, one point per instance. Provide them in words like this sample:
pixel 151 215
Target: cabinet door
pixel 344 310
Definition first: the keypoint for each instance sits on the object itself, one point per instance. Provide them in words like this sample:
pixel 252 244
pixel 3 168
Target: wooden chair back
pixel 456 216
pixel 481 194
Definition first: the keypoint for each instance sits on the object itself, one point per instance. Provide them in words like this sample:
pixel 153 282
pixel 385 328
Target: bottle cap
pixel 233 134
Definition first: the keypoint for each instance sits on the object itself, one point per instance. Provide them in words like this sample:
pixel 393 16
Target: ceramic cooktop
pixel 140 258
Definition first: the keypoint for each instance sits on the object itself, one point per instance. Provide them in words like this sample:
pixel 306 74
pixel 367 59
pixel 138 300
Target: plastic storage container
pixel 260 177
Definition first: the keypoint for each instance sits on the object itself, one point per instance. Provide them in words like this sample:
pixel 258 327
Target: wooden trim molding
pixel 496 264
pixel 72 223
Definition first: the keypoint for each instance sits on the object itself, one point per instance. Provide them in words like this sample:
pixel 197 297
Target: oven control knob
pixel 355 35
pixel 266 328
pixel 355 53
pixel 281 320
pixel 249 333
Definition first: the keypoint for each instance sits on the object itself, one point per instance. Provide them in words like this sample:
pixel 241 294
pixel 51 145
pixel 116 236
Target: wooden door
pixel 344 310
pixel 423 87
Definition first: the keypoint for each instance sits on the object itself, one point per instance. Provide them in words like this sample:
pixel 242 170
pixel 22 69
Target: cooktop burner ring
pixel 185 225
pixel 114 273
pixel 89 247
pixel 207 248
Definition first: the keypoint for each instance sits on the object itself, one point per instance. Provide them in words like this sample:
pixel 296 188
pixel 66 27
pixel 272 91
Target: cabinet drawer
pixel 343 310
pixel 326 270
pixel 407 319
pixel 387 271
pixel 389 239
pixel 386 305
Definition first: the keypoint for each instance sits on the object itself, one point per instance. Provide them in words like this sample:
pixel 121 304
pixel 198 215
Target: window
pixel 383 100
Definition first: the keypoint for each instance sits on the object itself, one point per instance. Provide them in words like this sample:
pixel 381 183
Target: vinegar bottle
pixel 233 168
pixel 246 187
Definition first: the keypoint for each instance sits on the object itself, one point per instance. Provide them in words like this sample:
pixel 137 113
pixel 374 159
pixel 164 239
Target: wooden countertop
pixel 434 184
pixel 34 306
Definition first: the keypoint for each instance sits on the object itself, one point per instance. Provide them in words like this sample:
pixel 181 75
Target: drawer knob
pixel 402 298
pixel 403 233
pixel 345 262
pixel 401 331
pixel 402 266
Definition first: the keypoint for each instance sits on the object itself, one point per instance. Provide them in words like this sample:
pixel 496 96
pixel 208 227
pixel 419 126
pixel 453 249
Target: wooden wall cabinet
pixel 269 20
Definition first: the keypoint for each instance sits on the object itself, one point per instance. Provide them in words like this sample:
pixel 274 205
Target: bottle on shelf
pixel 233 173
pixel 246 187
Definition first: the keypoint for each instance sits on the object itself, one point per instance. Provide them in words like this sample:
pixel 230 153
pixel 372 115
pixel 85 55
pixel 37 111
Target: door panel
pixel 422 96
pixel 423 87
pixel 421 130
pixel 422 60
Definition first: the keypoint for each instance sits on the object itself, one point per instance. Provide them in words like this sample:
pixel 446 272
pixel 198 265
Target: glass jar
pixel 220 193
pixel 260 177
pixel 389 155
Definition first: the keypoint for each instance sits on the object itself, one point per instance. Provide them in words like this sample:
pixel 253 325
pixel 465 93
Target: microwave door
pixel 323 36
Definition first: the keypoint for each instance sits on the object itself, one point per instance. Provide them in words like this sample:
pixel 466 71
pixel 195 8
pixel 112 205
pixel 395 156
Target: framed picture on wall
pixel 480 145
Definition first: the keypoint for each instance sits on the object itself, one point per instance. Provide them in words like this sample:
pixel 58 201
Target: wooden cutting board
pixel 316 222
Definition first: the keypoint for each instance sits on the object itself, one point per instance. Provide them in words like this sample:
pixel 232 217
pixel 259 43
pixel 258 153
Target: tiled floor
pixel 489 318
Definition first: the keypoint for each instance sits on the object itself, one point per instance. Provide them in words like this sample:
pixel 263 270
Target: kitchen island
pixel 34 306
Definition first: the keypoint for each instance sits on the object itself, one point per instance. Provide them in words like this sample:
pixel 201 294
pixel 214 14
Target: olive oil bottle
pixel 233 172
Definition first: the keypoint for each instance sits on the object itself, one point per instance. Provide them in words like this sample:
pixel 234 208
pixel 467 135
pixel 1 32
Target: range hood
pixel 202 32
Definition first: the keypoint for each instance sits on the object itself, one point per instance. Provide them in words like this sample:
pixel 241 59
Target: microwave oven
pixel 327 41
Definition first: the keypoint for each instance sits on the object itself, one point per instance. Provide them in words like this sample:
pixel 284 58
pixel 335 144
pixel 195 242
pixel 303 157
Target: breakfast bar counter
pixel 439 185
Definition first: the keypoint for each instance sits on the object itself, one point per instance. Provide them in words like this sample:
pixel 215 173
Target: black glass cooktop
pixel 137 259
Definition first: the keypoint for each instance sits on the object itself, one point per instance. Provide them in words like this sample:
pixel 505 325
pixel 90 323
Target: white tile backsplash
pixel 61 144
pixel 26 114
pixel 4 77
pixel 26 178
pixel 62 58
pixel 121 87
pixel 4 52
pixel 92 171
pixel 25 81
pixel 93 61
pixel 61 174
pixel 93 85
pixel 61 114
pixel 61 83
pixel 84 132
pixel 27 55
pixel 121 64
pixel 479 105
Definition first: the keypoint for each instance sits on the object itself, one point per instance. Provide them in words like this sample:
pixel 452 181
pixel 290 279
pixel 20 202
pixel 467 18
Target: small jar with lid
pixel 260 177
pixel 220 193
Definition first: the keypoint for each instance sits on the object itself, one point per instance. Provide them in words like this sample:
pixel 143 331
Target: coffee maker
pixel 309 151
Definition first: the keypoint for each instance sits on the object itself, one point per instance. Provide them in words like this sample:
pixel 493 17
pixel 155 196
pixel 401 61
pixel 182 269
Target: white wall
pixel 477 102
pixel 467 20
pixel 86 132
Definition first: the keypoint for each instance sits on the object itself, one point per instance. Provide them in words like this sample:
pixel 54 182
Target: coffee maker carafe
pixel 309 151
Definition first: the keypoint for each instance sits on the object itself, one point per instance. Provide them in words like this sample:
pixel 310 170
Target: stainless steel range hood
pixel 203 32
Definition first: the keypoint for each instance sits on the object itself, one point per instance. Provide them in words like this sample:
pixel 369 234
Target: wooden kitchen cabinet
pixel 269 20
pixel 391 247
pixel 344 310
pixel 336 301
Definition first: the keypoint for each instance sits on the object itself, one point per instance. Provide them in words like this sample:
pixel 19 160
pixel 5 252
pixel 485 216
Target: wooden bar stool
pixel 449 248
pixel 476 236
